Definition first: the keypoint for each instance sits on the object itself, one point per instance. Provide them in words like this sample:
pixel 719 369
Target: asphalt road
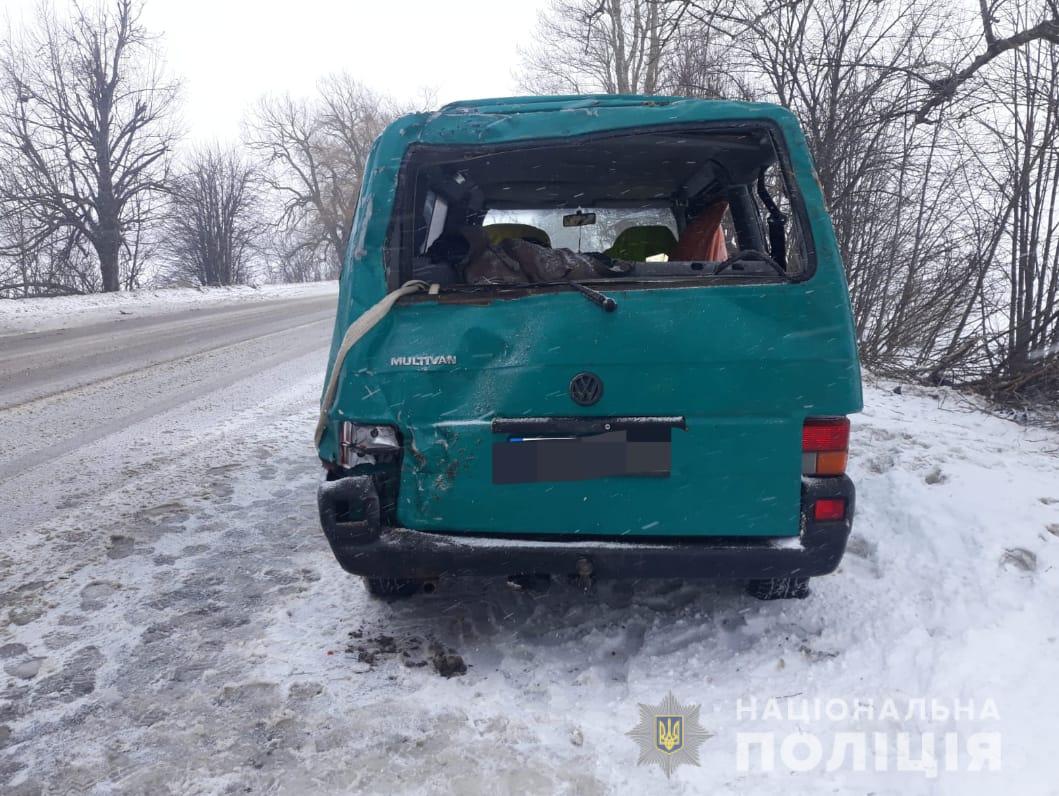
pixel 81 406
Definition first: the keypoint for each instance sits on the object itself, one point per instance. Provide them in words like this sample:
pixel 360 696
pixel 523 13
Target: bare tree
pixel 698 62
pixel 214 225
pixel 290 262
pixel 1020 160
pixel 607 46
pixel 142 238
pixel 85 111
pixel 315 152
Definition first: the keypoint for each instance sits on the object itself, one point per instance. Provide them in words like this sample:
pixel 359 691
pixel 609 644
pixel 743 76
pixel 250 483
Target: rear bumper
pixel 366 547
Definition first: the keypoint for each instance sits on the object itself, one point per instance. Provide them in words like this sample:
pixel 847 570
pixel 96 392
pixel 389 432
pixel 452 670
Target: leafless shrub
pixel 55 265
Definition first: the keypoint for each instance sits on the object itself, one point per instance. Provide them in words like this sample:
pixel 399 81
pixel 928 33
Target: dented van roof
pixel 500 119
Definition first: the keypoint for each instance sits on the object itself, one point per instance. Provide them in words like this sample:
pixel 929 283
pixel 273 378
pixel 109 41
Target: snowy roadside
pixel 62 312
pixel 190 632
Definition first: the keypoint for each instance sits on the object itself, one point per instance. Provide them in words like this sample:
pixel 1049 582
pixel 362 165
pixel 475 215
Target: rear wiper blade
pixel 606 302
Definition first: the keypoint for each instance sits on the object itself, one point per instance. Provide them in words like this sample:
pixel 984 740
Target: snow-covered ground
pixel 185 629
pixel 46 314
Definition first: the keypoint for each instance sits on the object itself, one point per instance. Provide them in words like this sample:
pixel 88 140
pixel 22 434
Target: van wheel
pixel 779 588
pixel 392 587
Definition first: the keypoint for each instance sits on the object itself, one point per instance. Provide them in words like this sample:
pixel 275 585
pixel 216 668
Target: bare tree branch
pixel 944 90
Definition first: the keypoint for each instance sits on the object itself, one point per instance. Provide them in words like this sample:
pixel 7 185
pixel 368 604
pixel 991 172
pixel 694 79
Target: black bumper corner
pixel 349 513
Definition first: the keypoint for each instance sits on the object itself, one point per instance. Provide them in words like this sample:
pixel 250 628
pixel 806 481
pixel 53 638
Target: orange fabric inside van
pixel 703 238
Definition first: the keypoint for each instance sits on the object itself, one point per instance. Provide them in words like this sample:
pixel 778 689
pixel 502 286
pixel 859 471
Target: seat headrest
pixel 500 232
pixel 639 243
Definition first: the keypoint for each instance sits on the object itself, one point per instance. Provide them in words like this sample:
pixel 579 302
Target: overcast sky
pixel 229 52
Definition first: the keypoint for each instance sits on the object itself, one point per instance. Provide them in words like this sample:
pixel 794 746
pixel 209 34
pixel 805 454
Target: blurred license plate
pixel 643 452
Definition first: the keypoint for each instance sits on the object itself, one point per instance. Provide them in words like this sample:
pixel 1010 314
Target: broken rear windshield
pixel 642 206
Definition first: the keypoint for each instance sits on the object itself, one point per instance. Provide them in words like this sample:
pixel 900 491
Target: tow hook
pixel 585 573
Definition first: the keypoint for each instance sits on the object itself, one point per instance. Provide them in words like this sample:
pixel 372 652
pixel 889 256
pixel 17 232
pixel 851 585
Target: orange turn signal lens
pixel 831 462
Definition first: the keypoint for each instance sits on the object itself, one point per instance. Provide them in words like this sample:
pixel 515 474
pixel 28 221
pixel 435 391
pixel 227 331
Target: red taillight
pixel 825 441
pixel 829 509
pixel 820 434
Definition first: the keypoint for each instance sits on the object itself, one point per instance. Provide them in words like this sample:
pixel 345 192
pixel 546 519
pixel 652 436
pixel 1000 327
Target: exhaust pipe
pixel 430 585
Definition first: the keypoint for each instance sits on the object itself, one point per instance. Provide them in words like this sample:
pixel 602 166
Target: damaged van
pixel 593 336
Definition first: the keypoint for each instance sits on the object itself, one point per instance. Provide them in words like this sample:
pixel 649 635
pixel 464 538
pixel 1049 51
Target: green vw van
pixel 596 336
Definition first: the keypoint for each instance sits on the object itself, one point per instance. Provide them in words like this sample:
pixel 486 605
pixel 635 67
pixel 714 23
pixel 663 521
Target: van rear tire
pixel 779 588
pixel 392 587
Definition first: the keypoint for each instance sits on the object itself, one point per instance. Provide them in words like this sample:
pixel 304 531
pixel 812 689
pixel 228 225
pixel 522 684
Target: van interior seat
pixel 639 243
pixel 498 233
pixel 703 237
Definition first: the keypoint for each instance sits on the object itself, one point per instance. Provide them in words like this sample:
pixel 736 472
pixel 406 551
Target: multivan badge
pixel 669 735
pixel 420 361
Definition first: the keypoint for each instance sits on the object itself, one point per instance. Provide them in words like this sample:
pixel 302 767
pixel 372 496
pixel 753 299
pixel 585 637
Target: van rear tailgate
pixel 741 365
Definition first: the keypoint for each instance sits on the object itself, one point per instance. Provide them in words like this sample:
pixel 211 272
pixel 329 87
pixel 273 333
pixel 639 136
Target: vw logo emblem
pixel 586 389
